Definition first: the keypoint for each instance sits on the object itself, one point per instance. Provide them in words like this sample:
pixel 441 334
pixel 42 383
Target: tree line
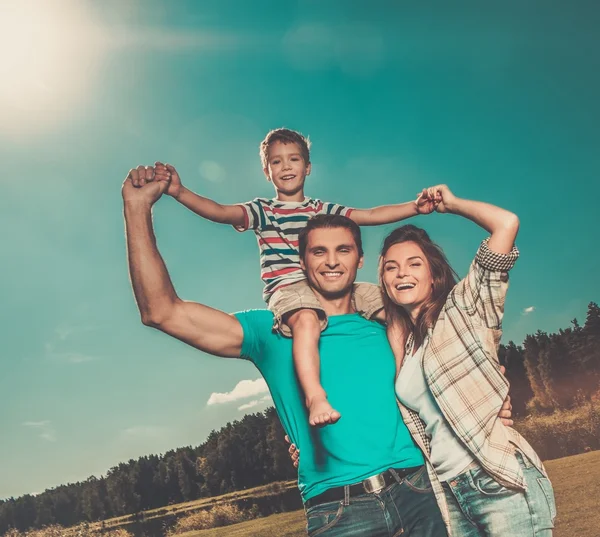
pixel 548 371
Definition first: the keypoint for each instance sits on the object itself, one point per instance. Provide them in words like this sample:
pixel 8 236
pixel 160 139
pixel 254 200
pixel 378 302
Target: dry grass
pixel 576 481
pixel 78 531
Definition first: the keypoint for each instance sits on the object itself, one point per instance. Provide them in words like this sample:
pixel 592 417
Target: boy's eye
pixel 276 161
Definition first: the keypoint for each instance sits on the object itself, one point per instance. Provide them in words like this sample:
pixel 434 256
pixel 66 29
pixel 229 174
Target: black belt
pixel 371 484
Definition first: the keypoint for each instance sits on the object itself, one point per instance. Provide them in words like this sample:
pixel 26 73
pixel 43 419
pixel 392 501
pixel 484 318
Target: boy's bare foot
pixel 321 413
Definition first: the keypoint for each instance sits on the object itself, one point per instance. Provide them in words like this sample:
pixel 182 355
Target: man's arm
pixel 384 214
pixel 205 328
pixel 205 207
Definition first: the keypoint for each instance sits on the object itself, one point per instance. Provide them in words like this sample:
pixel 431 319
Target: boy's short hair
pixel 286 136
pixel 329 221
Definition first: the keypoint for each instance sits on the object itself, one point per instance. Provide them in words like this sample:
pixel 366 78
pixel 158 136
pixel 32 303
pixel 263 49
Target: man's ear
pixel 360 262
pixel 266 172
pixel 302 265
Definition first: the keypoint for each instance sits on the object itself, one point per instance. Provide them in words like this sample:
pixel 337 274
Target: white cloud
pixel 144 431
pixel 528 310
pixel 243 389
pixel 44 428
pixel 256 402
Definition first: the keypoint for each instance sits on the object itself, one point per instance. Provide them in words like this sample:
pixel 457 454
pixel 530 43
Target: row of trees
pixel 558 370
pixel 243 454
pixel 548 371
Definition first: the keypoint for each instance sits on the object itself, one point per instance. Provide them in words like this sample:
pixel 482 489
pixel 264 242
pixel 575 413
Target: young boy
pixel 276 222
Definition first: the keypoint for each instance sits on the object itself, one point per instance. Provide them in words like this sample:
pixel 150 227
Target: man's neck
pixel 336 305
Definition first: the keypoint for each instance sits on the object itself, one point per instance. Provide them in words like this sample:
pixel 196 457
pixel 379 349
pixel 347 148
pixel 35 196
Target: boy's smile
pixel 287 170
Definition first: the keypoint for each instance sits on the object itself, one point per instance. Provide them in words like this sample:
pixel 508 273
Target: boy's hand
pixel 425 202
pixel 166 172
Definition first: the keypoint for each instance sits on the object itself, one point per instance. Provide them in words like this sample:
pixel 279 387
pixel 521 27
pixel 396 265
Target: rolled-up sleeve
pixel 482 293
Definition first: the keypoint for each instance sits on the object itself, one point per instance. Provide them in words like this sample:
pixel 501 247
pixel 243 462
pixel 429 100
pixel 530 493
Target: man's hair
pixel 329 221
pixel 443 275
pixel 285 136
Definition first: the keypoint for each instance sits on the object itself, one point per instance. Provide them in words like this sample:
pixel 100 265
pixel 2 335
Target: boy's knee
pixel 303 319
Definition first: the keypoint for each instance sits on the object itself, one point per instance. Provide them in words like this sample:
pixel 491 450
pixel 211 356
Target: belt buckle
pixel 374 483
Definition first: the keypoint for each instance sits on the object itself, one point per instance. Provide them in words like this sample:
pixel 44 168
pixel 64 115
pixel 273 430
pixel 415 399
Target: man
pixel 363 476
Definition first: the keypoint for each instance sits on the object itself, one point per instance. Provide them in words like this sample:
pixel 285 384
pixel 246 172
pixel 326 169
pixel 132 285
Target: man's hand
pixel 293 451
pixel 144 185
pixel 167 171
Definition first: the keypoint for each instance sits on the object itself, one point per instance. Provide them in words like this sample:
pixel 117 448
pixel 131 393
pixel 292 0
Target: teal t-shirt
pixel 357 372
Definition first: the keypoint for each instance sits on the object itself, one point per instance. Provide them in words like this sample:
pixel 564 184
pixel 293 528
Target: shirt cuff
pixel 494 261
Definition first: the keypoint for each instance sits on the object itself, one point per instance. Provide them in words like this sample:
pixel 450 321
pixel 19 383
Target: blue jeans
pixel 406 507
pixel 480 506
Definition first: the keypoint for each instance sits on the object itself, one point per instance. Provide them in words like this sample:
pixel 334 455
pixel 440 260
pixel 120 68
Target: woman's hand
pixel 293 451
pixel 435 198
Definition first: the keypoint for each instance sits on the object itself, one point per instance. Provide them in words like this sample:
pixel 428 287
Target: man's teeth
pixel 402 286
pixel 332 274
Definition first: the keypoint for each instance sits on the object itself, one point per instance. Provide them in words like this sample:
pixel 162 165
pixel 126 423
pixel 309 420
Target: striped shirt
pixel 460 364
pixel 276 225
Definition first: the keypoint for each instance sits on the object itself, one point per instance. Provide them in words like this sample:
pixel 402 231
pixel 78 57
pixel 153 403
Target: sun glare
pixel 50 52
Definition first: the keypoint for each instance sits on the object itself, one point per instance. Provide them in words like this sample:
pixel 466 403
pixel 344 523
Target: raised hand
pixel 443 197
pixel 144 184
pixel 167 172
pixel 425 202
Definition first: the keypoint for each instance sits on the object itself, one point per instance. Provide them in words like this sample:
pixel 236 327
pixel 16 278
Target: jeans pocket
pixel 488 486
pixel 548 491
pixel 419 481
pixel 322 517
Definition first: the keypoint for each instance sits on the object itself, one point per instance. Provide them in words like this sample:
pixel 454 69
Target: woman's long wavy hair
pixel 444 279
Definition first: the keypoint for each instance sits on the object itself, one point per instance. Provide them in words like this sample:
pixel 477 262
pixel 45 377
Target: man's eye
pixel 318 252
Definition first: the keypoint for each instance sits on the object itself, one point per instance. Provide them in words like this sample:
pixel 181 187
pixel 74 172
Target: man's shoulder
pixel 257 316
pixel 257 324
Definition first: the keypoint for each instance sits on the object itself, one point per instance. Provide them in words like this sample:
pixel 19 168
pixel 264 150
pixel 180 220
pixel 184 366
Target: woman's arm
pixel 500 223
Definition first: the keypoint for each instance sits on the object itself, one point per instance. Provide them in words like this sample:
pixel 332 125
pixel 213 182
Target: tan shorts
pixel 366 298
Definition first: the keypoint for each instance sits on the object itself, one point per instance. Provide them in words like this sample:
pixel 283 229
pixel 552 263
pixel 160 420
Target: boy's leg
pixel 306 331
pixel 299 314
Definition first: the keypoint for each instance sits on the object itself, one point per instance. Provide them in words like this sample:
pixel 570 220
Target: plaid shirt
pixel 461 366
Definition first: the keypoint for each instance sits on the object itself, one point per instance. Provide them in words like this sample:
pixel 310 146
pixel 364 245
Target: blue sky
pixel 498 101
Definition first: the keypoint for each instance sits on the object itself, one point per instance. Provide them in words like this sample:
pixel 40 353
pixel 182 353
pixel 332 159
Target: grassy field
pixel 576 481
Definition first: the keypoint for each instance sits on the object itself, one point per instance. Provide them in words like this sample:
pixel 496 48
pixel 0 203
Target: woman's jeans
pixel 480 506
pixel 406 508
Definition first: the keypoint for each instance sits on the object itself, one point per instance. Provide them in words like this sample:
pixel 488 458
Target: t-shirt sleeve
pixel 256 326
pixel 254 215
pixel 327 207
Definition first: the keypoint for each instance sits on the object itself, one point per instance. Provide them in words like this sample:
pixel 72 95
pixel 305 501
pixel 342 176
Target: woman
pixel 445 336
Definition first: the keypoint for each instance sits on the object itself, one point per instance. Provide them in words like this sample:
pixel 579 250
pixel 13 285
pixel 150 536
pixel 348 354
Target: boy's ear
pixel 266 172
pixel 308 168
